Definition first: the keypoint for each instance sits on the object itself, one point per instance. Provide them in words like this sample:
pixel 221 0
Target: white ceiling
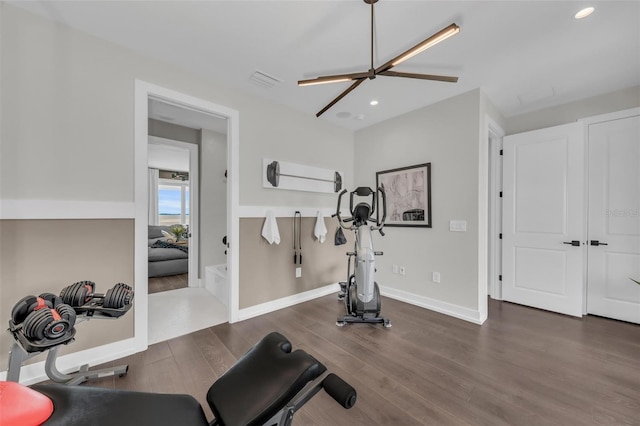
pixel 525 55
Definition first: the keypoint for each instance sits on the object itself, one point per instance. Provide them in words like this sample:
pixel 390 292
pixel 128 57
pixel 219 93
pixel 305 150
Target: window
pixel 173 202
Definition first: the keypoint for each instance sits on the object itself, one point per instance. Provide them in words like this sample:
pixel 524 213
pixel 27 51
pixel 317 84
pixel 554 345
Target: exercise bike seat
pixel 262 382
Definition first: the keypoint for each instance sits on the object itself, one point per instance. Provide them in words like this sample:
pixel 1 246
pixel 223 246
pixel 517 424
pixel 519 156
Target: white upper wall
pixel 67 109
pixel 567 113
pixel 446 135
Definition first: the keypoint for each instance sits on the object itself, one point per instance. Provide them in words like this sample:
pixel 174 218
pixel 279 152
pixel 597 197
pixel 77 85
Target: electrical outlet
pixel 298 272
pixel 402 270
pixel 435 277
pixel 394 269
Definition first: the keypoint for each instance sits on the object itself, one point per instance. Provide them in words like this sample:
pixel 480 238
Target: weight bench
pixel 265 387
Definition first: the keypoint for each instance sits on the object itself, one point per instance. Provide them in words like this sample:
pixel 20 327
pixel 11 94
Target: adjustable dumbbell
pixel 45 316
pixel 82 292
pixel 118 297
pixel 78 294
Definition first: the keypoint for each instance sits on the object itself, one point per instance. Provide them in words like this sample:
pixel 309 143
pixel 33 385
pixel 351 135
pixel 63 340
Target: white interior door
pixel 614 219
pixel 543 219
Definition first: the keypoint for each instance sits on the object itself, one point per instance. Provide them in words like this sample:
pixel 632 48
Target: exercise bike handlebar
pixel 380 223
pixel 362 191
pixel 337 214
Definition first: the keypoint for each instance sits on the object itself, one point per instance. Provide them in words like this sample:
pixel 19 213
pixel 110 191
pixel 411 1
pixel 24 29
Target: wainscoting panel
pixel 267 271
pixel 39 256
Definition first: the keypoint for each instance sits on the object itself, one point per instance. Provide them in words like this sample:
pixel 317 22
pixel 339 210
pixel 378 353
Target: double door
pixel 571 219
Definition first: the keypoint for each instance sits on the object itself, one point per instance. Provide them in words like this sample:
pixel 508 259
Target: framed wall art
pixel 408 191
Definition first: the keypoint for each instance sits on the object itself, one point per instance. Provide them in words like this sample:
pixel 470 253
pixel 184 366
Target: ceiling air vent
pixel 264 80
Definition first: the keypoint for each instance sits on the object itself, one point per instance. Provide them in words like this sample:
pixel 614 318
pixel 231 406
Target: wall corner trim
pixel 285 302
pixel 65 209
pixel 34 373
pixel 455 311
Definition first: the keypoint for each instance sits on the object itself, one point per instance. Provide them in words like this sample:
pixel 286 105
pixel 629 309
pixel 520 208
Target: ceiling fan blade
pixel 333 78
pixel 441 35
pixel 446 78
pixel 340 96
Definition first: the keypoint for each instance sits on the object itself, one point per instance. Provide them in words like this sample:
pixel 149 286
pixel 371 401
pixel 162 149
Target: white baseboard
pixel 434 305
pixel 285 302
pixel 34 373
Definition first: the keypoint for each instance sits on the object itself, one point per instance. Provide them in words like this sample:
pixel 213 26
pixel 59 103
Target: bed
pixel 165 258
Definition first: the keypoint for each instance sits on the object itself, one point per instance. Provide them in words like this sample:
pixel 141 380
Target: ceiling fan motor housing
pixel 358 78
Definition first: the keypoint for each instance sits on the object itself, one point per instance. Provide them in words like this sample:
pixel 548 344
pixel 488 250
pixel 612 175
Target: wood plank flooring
pixel 171 282
pixel 522 367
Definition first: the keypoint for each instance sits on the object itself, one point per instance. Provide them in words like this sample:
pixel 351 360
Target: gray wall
pixel 446 135
pixel 79 90
pixel 213 199
pixel 165 130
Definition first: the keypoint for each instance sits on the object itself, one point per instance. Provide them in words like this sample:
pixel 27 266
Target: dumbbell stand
pixel 82 375
pixel 19 355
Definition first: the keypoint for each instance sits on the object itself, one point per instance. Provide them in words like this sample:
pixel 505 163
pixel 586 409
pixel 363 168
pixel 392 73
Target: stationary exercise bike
pixel 360 292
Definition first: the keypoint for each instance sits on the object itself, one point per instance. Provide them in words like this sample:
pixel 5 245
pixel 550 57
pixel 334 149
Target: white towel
pixel 320 231
pixel 270 228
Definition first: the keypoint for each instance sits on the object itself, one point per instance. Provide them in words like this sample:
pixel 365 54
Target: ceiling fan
pixel 359 77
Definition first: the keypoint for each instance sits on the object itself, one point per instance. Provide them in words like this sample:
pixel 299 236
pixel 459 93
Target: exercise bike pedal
pixel 387 323
pixel 341 323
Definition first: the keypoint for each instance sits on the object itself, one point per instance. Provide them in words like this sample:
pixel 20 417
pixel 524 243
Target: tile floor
pixel 178 312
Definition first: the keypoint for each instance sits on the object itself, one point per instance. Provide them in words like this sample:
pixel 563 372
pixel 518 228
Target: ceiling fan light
pixel 451 30
pixel 315 81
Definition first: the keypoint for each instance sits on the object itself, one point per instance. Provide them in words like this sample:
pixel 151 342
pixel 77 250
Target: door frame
pixel 494 136
pixel 194 210
pixel 142 91
pixel 586 122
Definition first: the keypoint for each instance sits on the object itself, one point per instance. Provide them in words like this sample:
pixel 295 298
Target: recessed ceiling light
pixel 373 102
pixel 584 13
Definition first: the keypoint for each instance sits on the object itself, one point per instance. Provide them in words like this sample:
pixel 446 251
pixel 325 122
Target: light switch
pixel 458 225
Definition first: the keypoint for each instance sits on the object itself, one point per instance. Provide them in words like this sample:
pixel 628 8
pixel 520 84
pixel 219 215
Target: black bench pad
pixel 262 382
pixel 82 406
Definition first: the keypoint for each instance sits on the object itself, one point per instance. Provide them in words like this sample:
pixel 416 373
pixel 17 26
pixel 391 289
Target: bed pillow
pixel 155 231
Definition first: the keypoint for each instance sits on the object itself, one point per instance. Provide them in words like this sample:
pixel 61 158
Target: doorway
pixel 174 197
pixel 146 94
pixel 571 221
pixel 181 142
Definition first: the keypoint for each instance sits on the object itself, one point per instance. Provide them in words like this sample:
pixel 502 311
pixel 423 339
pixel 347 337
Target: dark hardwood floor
pixel 522 367
pixel 171 282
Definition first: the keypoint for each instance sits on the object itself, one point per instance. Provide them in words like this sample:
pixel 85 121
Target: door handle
pixel 574 243
pixel 598 243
